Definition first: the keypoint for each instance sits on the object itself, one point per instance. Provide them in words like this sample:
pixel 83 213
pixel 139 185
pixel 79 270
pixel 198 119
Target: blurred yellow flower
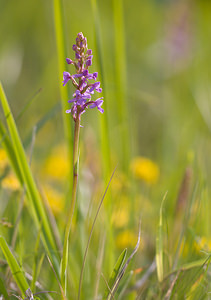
pixel 3 160
pixel 126 239
pixel 11 182
pixel 119 182
pixel 56 165
pixel 203 244
pixel 54 198
pixel 120 217
pixel 145 169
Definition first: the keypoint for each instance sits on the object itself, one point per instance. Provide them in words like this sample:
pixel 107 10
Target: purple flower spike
pixel 81 80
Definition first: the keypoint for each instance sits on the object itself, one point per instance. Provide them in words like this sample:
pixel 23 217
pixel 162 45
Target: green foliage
pixel 15 268
pixel 35 202
pixel 3 290
pixel 115 273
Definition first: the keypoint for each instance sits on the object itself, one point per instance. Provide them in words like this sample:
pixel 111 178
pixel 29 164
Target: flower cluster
pixel 81 80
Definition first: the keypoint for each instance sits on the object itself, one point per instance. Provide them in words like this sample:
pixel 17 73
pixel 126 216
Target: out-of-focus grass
pixel 167 77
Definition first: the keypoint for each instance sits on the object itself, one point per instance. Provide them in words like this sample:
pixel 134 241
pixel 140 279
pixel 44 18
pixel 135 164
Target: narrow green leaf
pixel 159 244
pixel 121 81
pixel 122 271
pixel 14 266
pixel 35 202
pixel 3 290
pixel 104 128
pixel 190 265
pixel 115 272
pixel 7 144
pixel 189 279
pixel 200 287
pixel 64 90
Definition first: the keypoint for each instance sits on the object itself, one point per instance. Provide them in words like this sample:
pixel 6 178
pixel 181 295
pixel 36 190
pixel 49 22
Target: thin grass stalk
pixel 160 244
pixel 64 90
pixel 72 205
pixel 104 129
pixel 104 134
pixel 121 81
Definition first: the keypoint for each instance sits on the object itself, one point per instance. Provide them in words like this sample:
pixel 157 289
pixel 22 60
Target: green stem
pixel 73 201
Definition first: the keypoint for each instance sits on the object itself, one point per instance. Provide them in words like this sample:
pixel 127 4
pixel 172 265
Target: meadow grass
pixel 145 160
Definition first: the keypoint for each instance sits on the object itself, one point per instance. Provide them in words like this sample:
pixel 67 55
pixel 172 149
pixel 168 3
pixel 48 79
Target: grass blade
pixel 189 280
pixel 6 143
pixel 116 271
pixel 14 266
pixel 104 130
pixel 3 290
pixel 121 81
pixel 64 90
pixel 122 272
pixel 35 202
pixel 159 244
pixel 200 286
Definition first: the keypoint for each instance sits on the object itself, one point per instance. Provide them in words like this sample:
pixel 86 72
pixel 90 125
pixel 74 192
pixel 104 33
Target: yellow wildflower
pixel 119 182
pixel 120 216
pixel 203 244
pixel 56 165
pixel 55 199
pixel 145 169
pixel 10 182
pixel 126 239
pixel 3 160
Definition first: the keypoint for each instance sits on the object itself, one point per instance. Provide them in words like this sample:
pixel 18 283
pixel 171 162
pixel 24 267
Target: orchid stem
pixel 73 201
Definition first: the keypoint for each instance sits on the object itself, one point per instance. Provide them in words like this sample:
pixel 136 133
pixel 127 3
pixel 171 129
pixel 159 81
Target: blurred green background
pixel 167 67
